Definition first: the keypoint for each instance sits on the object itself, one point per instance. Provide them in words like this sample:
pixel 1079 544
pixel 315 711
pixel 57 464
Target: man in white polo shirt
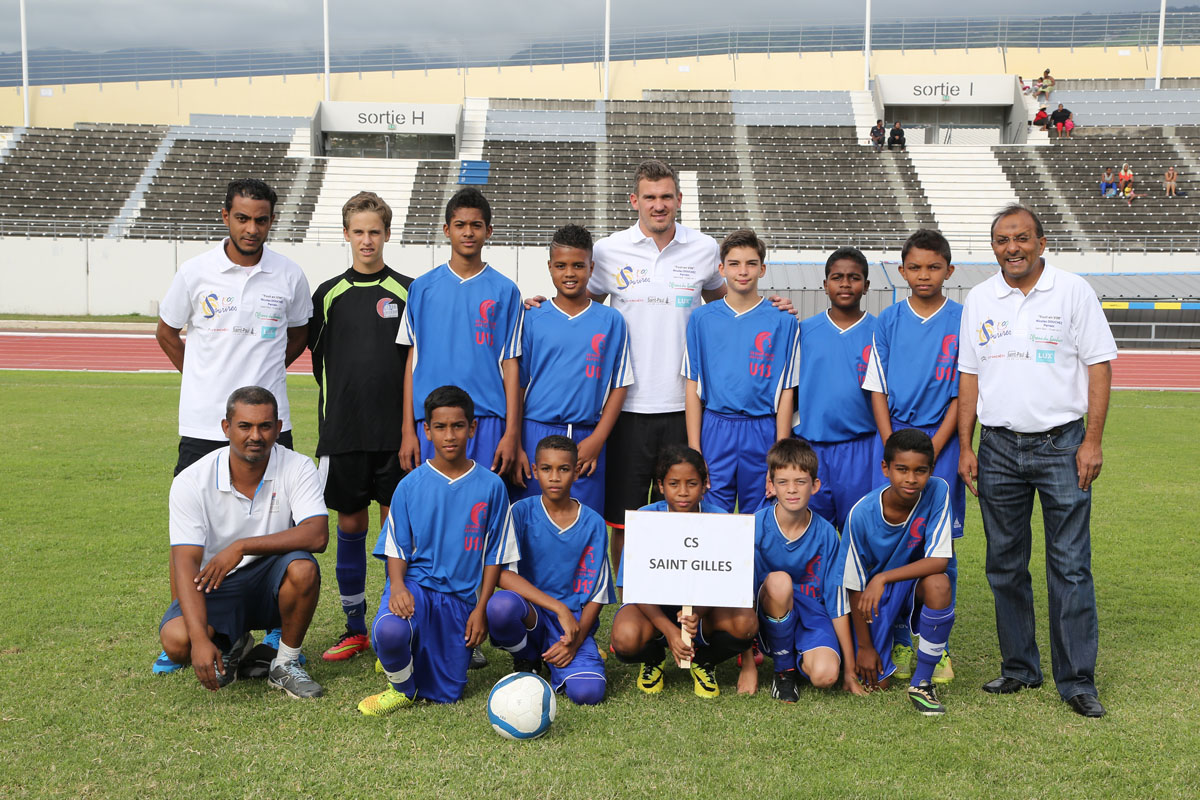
pixel 245 520
pixel 1034 360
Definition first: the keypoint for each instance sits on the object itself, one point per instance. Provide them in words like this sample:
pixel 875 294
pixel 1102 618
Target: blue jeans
pixel 1011 467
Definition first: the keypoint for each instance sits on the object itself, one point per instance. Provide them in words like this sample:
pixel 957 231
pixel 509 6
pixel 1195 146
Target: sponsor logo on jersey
pixel 269 331
pixel 683 300
pixel 1045 357
pixel 472 538
pixel 626 277
pixel 990 330
pixel 387 308
pixel 585 571
pixel 861 364
pixel 592 366
pixel 658 301
pixel 213 304
pixel 809 584
pixel 947 360
pixel 916 532
pixel 242 330
pixel 762 355
pixel 485 325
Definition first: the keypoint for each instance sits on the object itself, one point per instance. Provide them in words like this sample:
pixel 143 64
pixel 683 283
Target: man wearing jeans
pixel 1033 361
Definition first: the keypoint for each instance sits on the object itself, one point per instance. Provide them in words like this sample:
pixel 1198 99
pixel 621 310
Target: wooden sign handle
pixel 687 638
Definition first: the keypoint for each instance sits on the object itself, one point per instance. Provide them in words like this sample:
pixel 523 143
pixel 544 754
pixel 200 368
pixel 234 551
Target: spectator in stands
pixel 1044 87
pixel 878 134
pixel 1169 179
pixel 1124 176
pixel 1108 183
pixel 1025 87
pixel 1130 195
pixel 1061 119
pixel 896 137
pixel 1041 119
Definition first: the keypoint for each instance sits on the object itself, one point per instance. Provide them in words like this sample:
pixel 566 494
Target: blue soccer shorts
pixel 735 447
pixel 847 472
pixel 439 651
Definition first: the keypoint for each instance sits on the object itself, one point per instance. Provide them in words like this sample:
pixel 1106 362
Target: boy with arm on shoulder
pixel 893 559
pixel 549 602
pixel 359 370
pixel 446 538
pixel 741 364
pixel 575 367
pixel 803 609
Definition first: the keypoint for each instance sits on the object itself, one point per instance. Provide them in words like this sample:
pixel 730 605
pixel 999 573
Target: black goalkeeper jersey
pixel 356 361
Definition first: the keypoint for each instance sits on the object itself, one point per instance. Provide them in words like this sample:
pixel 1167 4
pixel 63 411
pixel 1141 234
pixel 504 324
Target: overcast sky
pixel 98 25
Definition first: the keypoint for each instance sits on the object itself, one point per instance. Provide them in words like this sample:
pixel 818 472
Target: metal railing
pixel 1125 30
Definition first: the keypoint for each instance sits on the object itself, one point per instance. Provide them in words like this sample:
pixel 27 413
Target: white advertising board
pixel 689 559
pixel 940 90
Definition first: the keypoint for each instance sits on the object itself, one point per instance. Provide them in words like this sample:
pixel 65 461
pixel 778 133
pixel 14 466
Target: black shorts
pixel 632 453
pixel 192 450
pixel 353 480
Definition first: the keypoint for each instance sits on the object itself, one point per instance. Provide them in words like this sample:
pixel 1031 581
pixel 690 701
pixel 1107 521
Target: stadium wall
pixel 172 102
pixel 130 276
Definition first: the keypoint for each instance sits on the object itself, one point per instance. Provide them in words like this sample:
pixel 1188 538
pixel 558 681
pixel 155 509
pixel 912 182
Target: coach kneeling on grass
pixel 240 561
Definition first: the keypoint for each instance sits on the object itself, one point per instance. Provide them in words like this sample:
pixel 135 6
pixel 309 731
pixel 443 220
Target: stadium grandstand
pixel 117 177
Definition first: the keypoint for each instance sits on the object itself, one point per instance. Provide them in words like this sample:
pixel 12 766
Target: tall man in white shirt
pixel 245 520
pixel 1034 359
pixel 246 309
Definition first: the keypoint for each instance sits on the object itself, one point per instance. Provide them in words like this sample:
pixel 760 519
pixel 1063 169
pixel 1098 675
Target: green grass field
pixel 85 471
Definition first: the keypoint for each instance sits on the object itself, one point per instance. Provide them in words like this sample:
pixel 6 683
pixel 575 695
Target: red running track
pixel 140 353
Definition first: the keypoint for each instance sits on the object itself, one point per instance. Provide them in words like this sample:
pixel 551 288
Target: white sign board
pixel 940 90
pixel 343 117
pixel 689 559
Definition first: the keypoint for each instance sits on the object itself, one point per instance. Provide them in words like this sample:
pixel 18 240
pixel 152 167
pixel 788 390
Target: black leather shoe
pixel 1086 705
pixel 1004 685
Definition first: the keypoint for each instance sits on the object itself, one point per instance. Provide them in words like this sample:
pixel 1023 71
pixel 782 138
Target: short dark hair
pixel 250 396
pixel 653 169
pixel 852 253
pixel 572 235
pixel 792 453
pixel 449 397
pixel 927 239
pixel 908 440
pixel 744 237
pixel 557 442
pixel 252 188
pixel 674 454
pixel 469 197
pixel 1016 208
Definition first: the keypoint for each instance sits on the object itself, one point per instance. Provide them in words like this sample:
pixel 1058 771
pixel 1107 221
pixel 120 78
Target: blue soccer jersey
pixel 569 564
pixel 448 530
pixel 742 363
pixel 914 361
pixel 810 560
pixel 661 505
pixel 830 403
pixel 460 332
pixel 871 544
pixel 569 365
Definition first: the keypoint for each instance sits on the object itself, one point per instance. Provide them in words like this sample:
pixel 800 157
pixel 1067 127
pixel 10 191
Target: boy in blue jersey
pixel 834 414
pixel 803 610
pixel 575 368
pixel 446 537
pixel 549 602
pixel 741 364
pixel 463 322
pixel 893 558
pixel 913 379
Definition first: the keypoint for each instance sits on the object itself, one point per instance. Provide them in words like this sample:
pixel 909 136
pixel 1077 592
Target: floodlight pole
pixel 325 13
pixel 1162 24
pixel 24 65
pixel 867 49
pixel 607 38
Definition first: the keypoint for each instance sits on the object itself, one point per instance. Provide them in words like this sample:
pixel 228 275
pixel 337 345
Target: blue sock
pixel 779 635
pixel 392 641
pixel 352 578
pixel 506 612
pixel 901 634
pixel 935 631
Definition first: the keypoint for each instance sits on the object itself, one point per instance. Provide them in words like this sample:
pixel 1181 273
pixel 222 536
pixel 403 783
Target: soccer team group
pixel 501 438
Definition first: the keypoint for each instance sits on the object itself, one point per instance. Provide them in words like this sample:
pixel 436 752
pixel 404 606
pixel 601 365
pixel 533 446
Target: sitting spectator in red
pixel 1125 176
pixel 896 137
pixel 1041 118
pixel 878 134
pixel 1061 119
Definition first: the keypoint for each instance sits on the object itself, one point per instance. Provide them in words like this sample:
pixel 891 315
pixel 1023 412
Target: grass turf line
pixel 85 474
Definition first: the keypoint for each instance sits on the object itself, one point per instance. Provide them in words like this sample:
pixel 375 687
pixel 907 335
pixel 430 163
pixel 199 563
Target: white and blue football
pixel 521 706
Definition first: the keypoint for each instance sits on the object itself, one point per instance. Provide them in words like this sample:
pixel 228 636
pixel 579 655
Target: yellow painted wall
pixel 167 102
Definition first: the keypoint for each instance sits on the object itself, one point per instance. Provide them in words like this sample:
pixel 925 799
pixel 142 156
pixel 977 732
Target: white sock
pixel 285 654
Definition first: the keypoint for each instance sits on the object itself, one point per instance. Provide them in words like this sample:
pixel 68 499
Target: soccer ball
pixel 521 706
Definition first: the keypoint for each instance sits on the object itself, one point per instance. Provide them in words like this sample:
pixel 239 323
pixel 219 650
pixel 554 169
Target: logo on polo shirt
pixel 916 532
pixel 810 584
pixel 626 277
pixel 486 324
pixel 592 361
pixel 1045 357
pixel 213 304
pixel 387 308
pixel 947 360
pixel 762 356
pixel 989 330
pixel 473 541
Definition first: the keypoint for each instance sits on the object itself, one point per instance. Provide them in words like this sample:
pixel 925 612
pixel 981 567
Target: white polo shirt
pixel 237 320
pixel 656 291
pixel 208 512
pixel 1031 352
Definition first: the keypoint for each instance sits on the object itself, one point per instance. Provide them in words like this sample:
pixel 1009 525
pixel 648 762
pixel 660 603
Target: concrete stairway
pixel 390 178
pixel 864 115
pixel 965 187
